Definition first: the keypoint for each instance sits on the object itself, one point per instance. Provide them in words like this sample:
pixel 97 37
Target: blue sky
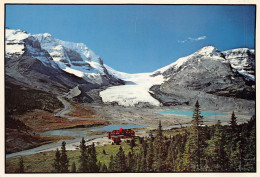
pixel 139 38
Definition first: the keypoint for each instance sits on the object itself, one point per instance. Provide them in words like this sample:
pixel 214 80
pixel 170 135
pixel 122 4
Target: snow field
pixel 135 91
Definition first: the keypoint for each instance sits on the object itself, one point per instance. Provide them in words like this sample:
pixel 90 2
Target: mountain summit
pixel 39 59
pixel 209 75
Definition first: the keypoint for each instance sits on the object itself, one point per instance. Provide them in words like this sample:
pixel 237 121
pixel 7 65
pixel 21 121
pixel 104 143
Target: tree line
pixel 198 148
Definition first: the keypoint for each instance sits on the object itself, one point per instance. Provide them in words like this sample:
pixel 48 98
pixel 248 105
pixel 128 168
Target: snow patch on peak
pixel 15 35
pixel 208 51
pixel 14 41
pixel 174 65
pixel 117 74
pixel 46 35
pixel 204 53
pixel 242 60
pixel 238 51
pixel 69 55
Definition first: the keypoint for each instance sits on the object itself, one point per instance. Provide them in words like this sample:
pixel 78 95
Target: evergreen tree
pixel 64 161
pixel 250 149
pixel 103 168
pixel 233 138
pixel 120 161
pixel 141 139
pixel 73 168
pixel 132 144
pixel 159 163
pixel 185 160
pixel 138 165
pixel 93 159
pixel 56 164
pixel 158 153
pixel 83 159
pixel 233 121
pixel 21 165
pixel 143 165
pixel 159 130
pixel 150 156
pixel 99 165
pixel 170 158
pixel 151 137
pixel 111 164
pixel 130 162
pixel 197 139
pixel 216 156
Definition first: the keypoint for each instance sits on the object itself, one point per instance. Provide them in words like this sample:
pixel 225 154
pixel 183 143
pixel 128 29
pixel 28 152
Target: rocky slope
pixel 47 63
pixel 213 77
pixel 243 60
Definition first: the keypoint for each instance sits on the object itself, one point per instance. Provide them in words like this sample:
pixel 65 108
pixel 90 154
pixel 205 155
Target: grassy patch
pixel 81 111
pixel 42 162
pixel 41 121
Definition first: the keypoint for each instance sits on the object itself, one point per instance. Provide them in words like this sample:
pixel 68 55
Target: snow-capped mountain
pixel 243 60
pixel 68 63
pixel 212 76
pixel 74 58
pixel 207 74
pixel 19 43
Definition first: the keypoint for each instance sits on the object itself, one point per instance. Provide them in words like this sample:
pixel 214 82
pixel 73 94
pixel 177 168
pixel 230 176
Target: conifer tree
pixel 130 162
pixel 56 164
pixel 73 168
pixel 197 139
pixel 158 150
pixel 170 158
pixel 64 161
pixel 132 144
pixel 233 121
pixel 138 165
pixel 111 164
pixel 93 159
pixel 103 168
pixel 250 156
pixel 143 165
pixel 159 163
pixel 150 156
pixel 216 156
pixel 99 165
pixel 120 161
pixel 233 137
pixel 21 165
pixel 83 159
pixel 185 160
pixel 159 130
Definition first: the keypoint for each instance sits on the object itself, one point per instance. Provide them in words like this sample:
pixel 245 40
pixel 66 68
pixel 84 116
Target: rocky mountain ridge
pixel 47 63
pixel 210 75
